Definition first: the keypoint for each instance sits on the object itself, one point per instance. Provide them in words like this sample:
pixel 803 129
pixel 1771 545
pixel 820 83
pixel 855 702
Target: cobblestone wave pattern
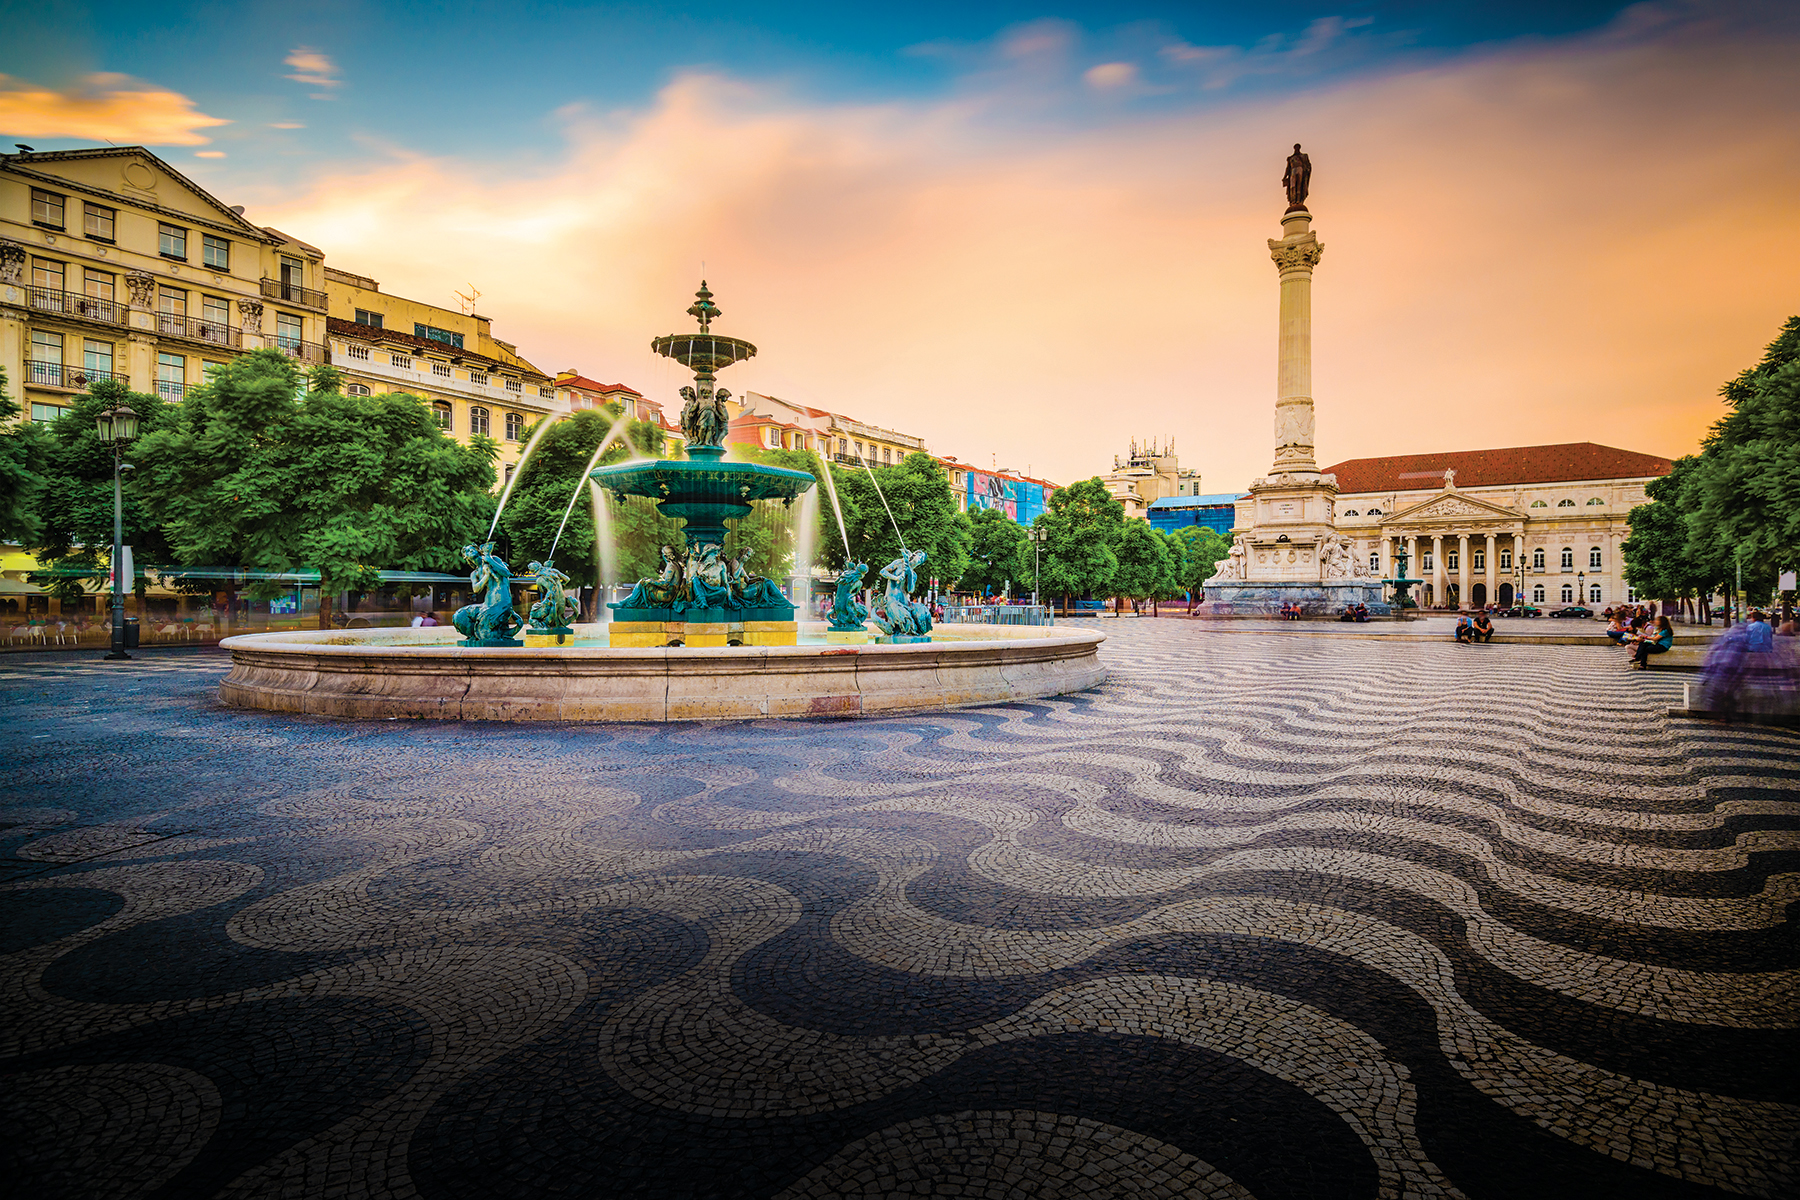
pixel 1264 916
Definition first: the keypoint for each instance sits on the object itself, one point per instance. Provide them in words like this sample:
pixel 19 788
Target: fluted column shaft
pixel 1295 255
pixel 1489 578
pixel 1462 570
pixel 1437 570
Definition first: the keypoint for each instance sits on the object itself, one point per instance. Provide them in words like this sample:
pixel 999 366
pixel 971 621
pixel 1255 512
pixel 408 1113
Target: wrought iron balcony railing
pixel 169 390
pixel 197 329
pixel 74 304
pixel 307 352
pixel 292 293
pixel 68 375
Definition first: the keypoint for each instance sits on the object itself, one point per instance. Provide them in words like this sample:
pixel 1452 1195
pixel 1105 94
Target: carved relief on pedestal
pixel 12 261
pixel 142 286
pixel 251 312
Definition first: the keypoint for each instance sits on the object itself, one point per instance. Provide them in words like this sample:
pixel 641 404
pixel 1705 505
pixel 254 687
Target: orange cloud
pixel 312 67
pixel 1559 245
pixel 103 107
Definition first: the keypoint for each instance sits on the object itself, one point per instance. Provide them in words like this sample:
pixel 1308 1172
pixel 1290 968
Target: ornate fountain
pixel 702 598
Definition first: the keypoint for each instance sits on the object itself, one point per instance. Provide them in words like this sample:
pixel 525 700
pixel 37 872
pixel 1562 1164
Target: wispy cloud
pixel 1118 277
pixel 315 68
pixel 286 125
pixel 103 107
pixel 1110 76
pixel 209 154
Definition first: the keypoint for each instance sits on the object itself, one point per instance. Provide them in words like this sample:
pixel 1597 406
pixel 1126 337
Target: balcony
pixel 293 293
pixel 170 390
pixel 194 329
pixel 60 375
pixel 306 352
pixel 74 304
pixel 848 459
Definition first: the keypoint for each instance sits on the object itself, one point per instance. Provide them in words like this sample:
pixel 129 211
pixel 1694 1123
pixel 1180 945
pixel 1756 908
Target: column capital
pixel 1300 253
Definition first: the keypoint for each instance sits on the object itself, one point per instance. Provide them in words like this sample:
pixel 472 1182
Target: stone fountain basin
pixel 373 674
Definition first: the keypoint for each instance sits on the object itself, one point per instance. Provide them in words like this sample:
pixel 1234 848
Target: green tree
pixel 771 533
pixel 1143 567
pixel 24 450
pixel 917 493
pixel 555 474
pixel 1082 523
pixel 1201 550
pixel 251 469
pixel 1746 493
pixel 999 554
pixel 1661 558
pixel 74 526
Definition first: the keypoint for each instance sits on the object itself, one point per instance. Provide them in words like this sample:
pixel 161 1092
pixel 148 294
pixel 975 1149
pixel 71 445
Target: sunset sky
pixel 1023 232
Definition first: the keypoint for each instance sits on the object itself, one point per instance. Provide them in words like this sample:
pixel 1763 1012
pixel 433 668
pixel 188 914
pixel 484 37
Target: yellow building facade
pixel 115 265
pixel 476 383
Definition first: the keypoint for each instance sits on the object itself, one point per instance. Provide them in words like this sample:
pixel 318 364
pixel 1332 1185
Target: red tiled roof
pixel 378 335
pixel 1490 468
pixel 589 385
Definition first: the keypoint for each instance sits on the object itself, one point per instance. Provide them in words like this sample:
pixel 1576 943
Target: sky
pixel 1027 233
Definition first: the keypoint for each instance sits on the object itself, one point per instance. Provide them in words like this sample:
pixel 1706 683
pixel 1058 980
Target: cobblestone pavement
pixel 1262 916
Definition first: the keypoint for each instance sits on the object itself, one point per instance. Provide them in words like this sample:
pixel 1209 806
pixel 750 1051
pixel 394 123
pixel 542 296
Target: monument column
pixel 1489 560
pixel 1295 255
pixel 1462 570
pixel 1437 570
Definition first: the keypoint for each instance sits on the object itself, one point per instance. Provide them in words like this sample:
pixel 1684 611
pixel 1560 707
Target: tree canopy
pixel 255 469
pixel 999 554
pixel 917 493
pixel 1201 550
pixel 1083 522
pixel 1144 568
pixel 24 447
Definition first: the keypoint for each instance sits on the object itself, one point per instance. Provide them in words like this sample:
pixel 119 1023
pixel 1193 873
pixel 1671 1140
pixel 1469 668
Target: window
pixel 96 357
pixel 1565 504
pixel 1593 500
pixel 371 319
pixel 293 277
pixel 1568 558
pixel 171 241
pixel 1594 558
pixel 1506 560
pixel 843 446
pixel 1537 559
pixel 46 358
pixel 1373 512
pixel 859 453
pixel 1452 560
pixel 358 389
pixel 216 312
pixel 215 252
pixel 1539 504
pixel 438 335
pixel 1375 560
pixel 1593 593
pixel 287 331
pixel 171 376
pixel 771 437
pixel 47 273
pixel 510 468
pixel 441 411
pixel 400 360
pixel 209 368
pixel 515 426
pixel 1425 561
pixel 1479 558
pixel 545 393
pixel 478 377
pixel 353 350
pixel 46 209
pixel 887 456
pixel 99 284
pixel 98 222
pixel 1351 512
pixel 1568 593
pixel 440 368
pixel 45 413
pixel 1537 594
pixel 171 302
pixel 478 421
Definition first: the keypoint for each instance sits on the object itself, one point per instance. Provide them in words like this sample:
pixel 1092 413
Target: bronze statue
pixel 1297 179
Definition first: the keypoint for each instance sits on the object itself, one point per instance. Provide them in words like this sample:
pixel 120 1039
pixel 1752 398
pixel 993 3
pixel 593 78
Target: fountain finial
pixel 704 310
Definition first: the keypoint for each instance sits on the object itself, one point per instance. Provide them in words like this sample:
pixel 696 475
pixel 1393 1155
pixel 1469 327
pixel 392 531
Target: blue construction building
pixel 1217 512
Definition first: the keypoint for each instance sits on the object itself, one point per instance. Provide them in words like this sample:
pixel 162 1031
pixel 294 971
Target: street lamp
pixel 1581 587
pixel 118 425
pixel 1037 534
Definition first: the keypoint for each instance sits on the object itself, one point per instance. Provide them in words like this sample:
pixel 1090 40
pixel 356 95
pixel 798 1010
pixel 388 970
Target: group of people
pixel 1354 612
pixel 1638 627
pixel 1477 628
pixel 1290 611
pixel 1753 668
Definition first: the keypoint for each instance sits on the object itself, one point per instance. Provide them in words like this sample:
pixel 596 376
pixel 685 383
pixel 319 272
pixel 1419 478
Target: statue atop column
pixel 1297 179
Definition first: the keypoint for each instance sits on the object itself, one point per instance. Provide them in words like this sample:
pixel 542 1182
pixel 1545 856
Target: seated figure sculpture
pixel 666 590
pixel 707 582
pixel 491 620
pixel 897 613
pixel 847 612
pixel 555 610
pixel 754 591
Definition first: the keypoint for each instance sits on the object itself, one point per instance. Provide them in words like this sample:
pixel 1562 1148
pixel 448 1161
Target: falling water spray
pixel 519 471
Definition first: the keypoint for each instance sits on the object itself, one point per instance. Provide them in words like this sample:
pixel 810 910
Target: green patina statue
pixel 847 612
pixel 666 590
pixel 492 620
pixel 896 612
pixel 555 611
pixel 753 591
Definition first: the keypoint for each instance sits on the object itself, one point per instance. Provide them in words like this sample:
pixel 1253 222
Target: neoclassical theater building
pixel 1483 526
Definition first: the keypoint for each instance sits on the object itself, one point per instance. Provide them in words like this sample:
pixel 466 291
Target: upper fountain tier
pixel 705 352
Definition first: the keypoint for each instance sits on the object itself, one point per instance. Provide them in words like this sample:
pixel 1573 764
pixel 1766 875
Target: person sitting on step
pixel 1483 629
pixel 1653 643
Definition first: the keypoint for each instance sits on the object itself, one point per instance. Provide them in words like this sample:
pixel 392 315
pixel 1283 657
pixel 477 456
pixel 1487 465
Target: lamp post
pixel 1037 534
pixel 1581 587
pixel 1519 592
pixel 118 425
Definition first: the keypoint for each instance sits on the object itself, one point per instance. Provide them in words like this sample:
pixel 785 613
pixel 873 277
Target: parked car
pixel 1574 610
pixel 1522 610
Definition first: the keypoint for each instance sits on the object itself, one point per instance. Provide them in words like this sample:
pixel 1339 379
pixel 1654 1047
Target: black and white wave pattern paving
pixel 1266 915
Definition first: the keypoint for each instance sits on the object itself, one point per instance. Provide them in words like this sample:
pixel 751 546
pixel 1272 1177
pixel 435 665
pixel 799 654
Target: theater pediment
pixel 1452 508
